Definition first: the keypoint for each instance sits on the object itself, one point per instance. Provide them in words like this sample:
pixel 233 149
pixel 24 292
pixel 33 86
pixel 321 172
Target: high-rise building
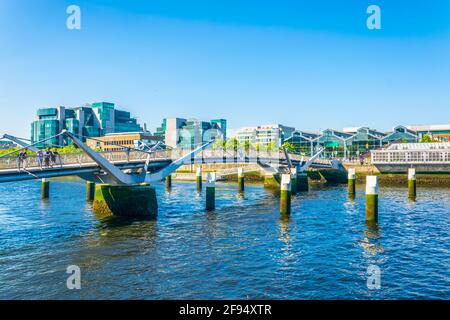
pixel 86 121
pixel 190 133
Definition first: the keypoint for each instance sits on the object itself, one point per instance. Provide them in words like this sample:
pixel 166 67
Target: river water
pixel 242 250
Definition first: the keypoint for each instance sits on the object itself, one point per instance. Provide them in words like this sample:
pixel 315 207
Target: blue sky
pixel 307 64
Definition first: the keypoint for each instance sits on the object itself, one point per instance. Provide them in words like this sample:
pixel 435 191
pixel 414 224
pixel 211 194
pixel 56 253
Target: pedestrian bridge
pixel 136 166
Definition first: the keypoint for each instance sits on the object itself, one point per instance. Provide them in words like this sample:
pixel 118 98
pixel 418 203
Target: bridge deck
pixel 80 163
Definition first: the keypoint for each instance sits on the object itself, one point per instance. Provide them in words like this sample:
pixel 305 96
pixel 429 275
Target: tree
pixel 427 138
pixel 289 147
pixel 272 146
pixel 218 144
pixel 232 144
pixel 246 145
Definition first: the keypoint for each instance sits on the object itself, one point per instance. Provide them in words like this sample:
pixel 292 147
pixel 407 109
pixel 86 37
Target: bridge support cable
pixel 311 160
pixel 24 145
pixel 286 154
pixel 161 174
pixel 116 173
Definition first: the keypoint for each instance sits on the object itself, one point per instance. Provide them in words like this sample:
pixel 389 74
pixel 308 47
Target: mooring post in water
pixel 372 199
pixel 241 180
pixel 351 181
pixel 211 191
pixel 90 190
pixel 294 187
pixel 285 194
pixel 169 182
pixel 45 189
pixel 412 183
pixel 199 179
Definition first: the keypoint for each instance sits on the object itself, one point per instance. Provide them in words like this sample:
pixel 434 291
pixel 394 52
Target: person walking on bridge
pixel 57 158
pixel 40 158
pixel 52 158
pixel 47 158
pixel 22 159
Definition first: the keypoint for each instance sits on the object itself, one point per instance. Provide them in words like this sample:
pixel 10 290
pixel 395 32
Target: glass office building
pixel 87 121
pixel 190 133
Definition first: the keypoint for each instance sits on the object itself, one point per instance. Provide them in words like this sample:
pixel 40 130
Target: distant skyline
pixel 309 65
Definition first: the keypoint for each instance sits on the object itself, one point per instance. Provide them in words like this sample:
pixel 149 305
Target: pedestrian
pixel 52 158
pixel 23 159
pixel 20 160
pixel 47 158
pixel 40 157
pixel 57 157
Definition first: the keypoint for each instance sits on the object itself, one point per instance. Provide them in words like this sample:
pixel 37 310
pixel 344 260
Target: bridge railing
pixel 80 159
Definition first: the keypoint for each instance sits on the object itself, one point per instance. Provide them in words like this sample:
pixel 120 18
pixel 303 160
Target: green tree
pixel 232 144
pixel 272 146
pixel 289 147
pixel 218 144
pixel 427 139
pixel 246 145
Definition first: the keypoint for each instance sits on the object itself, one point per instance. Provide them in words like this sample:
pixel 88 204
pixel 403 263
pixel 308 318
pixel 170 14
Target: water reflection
pixel 284 234
pixel 371 243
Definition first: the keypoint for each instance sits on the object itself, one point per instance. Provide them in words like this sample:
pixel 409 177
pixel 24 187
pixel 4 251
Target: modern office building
pixel 190 133
pixel 264 135
pixel 94 120
pixel 122 141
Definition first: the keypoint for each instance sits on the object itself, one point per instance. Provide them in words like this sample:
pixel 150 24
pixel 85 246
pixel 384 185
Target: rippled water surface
pixel 242 250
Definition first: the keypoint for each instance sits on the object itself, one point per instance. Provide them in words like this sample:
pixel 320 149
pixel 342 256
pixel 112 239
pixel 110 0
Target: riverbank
pixel 188 173
pixel 399 179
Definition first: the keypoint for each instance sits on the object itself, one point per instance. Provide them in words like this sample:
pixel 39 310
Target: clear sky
pixel 307 64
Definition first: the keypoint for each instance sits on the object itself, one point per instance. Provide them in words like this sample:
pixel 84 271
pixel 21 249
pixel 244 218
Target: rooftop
pixel 435 127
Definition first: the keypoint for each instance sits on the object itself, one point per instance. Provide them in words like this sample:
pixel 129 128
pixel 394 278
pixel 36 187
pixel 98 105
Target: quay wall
pixel 400 179
pixel 188 173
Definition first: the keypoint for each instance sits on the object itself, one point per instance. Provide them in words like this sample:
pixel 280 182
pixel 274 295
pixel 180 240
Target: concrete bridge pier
pixel 241 182
pixel 125 200
pixel 302 182
pixel 45 189
pixel 285 194
pixel 271 180
pixel 90 191
pixel 412 189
